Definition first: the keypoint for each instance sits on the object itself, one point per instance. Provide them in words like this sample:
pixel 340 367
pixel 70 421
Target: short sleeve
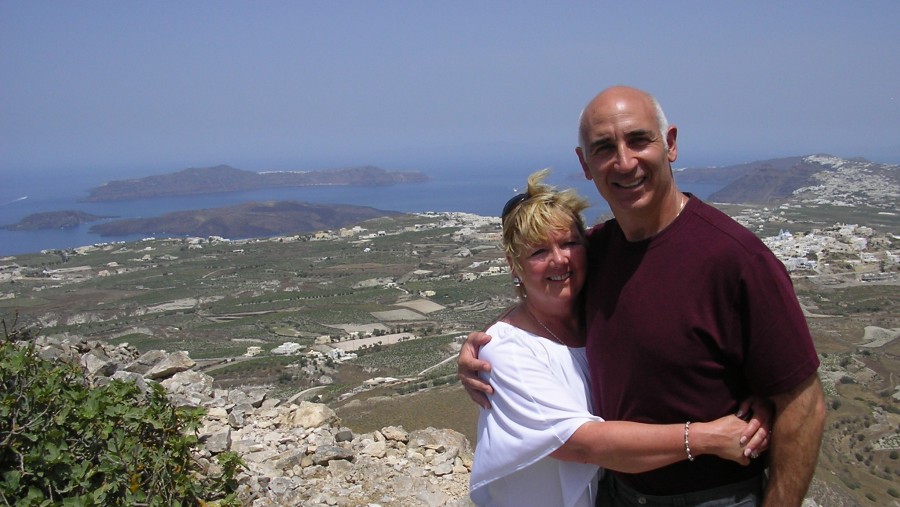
pixel 540 399
pixel 781 352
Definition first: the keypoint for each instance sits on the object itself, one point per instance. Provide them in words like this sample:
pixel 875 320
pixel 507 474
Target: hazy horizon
pixel 128 89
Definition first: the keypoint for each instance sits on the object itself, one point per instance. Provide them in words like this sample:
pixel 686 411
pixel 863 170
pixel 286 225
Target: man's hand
pixel 468 365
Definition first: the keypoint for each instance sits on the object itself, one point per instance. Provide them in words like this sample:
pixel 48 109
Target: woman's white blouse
pixel 541 396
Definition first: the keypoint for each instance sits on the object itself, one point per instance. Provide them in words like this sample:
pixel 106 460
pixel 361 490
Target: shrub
pixel 65 443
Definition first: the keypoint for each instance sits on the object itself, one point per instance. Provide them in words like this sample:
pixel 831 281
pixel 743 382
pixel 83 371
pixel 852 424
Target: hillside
pixel 777 180
pixel 727 174
pixel 223 178
pixel 367 319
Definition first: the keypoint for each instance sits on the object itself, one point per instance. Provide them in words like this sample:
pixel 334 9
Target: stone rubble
pixel 296 453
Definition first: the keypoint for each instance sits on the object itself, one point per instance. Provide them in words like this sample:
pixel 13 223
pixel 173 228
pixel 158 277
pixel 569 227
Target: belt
pixel 748 492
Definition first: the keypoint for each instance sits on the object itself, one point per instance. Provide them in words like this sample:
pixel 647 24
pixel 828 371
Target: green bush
pixel 65 443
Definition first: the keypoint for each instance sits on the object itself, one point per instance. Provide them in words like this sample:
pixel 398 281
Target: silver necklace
pixel 684 201
pixel 533 316
pixel 681 203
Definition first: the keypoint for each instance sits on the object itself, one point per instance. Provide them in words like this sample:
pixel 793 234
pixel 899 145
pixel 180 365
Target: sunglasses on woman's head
pixel 512 203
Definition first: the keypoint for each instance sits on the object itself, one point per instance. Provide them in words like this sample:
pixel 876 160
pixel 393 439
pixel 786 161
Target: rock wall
pixel 296 453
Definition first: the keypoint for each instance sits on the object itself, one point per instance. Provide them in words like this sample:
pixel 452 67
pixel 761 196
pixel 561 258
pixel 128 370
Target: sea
pixel 481 192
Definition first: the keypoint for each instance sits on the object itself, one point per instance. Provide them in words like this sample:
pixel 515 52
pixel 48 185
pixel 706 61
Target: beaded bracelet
pixel 687 445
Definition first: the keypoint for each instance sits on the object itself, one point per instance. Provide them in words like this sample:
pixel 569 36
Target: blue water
pixel 473 191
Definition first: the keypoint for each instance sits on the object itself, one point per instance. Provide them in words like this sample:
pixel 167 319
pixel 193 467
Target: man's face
pixel 624 153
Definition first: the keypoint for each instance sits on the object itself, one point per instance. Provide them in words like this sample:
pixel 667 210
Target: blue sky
pixel 132 87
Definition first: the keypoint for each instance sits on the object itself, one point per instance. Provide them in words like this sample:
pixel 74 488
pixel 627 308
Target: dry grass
pixel 441 407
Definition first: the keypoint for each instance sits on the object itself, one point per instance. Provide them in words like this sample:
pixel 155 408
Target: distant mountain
pixel 727 174
pixel 223 178
pixel 808 177
pixel 53 220
pixel 249 220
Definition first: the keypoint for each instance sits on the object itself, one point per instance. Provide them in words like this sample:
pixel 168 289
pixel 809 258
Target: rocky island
pixel 248 220
pixel 223 178
pixel 53 220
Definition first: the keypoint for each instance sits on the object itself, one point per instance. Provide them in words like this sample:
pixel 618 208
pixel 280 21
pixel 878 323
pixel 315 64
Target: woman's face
pixel 554 272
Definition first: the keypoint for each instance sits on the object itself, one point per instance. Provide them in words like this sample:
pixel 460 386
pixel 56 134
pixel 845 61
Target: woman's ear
pixel 515 275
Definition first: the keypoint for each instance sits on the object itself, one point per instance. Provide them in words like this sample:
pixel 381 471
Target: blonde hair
pixel 543 209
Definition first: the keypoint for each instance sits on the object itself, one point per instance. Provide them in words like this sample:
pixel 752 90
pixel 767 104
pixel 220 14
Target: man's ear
pixel 671 140
pixel 584 167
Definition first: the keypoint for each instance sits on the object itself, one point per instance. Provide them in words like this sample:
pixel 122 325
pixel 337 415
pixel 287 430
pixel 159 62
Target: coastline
pixel 435 195
pixel 483 195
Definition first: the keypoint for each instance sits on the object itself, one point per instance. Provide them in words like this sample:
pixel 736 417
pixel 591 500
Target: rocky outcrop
pixel 296 453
